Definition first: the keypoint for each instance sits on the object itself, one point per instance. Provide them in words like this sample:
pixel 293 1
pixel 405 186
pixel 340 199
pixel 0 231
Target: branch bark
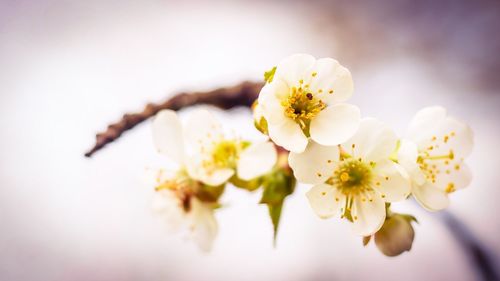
pixel 243 94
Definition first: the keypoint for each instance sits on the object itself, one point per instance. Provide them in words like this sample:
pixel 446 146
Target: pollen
pixel 353 177
pixel 450 187
pixel 314 74
pixel 344 177
pixel 302 106
pixel 225 154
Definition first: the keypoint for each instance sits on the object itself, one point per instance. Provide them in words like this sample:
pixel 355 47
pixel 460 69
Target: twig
pixel 243 94
pixel 476 252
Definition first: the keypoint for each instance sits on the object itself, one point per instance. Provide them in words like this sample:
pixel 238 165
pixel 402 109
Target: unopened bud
pixel 396 235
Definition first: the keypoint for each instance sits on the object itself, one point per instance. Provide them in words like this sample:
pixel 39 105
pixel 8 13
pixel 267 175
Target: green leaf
pixel 275 214
pixel 269 75
pixel 277 186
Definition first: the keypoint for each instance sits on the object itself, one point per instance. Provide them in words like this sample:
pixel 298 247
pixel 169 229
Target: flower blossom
pixel 175 203
pixel 205 160
pixel 303 98
pixel 433 153
pixel 207 154
pixel 354 180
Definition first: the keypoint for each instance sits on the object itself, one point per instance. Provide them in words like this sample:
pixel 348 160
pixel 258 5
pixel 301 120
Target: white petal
pixel 453 176
pixel 425 122
pixel 168 135
pixel 449 135
pixel 270 101
pixel 155 176
pixel 216 177
pixel 394 184
pixel 207 174
pixel 294 68
pixel 331 79
pixel 202 130
pixel 289 135
pixel 325 200
pixel 430 197
pixel 368 215
pixel 169 209
pixel 407 157
pixel 256 160
pixel 204 226
pixel 335 124
pixel 316 164
pixel 373 141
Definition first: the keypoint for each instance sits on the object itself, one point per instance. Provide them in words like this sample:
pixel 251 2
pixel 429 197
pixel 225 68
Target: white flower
pixel 186 195
pixel 201 147
pixel 187 215
pixel 433 154
pixel 356 182
pixel 304 99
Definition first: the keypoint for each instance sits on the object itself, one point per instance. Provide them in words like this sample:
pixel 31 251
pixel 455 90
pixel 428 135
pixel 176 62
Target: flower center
pixel 302 106
pixel 226 153
pixel 353 177
pixel 432 165
pixel 182 186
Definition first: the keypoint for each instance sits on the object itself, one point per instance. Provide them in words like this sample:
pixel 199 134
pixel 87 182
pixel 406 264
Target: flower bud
pixel 396 235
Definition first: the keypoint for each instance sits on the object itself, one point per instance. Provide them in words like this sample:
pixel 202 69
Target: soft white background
pixel 69 68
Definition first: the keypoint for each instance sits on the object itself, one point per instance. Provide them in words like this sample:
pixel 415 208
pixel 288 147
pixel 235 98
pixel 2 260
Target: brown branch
pixel 243 94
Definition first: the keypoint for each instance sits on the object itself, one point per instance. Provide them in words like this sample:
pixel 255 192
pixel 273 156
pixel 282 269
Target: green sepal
pixel 250 185
pixel 269 75
pixel 208 193
pixel 394 154
pixel 261 125
pixel 409 218
pixel 366 240
pixel 245 144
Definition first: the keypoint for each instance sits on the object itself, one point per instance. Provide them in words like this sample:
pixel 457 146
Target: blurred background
pixel 68 68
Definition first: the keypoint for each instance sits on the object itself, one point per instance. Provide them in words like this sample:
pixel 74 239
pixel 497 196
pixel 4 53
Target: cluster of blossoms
pixel 356 166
